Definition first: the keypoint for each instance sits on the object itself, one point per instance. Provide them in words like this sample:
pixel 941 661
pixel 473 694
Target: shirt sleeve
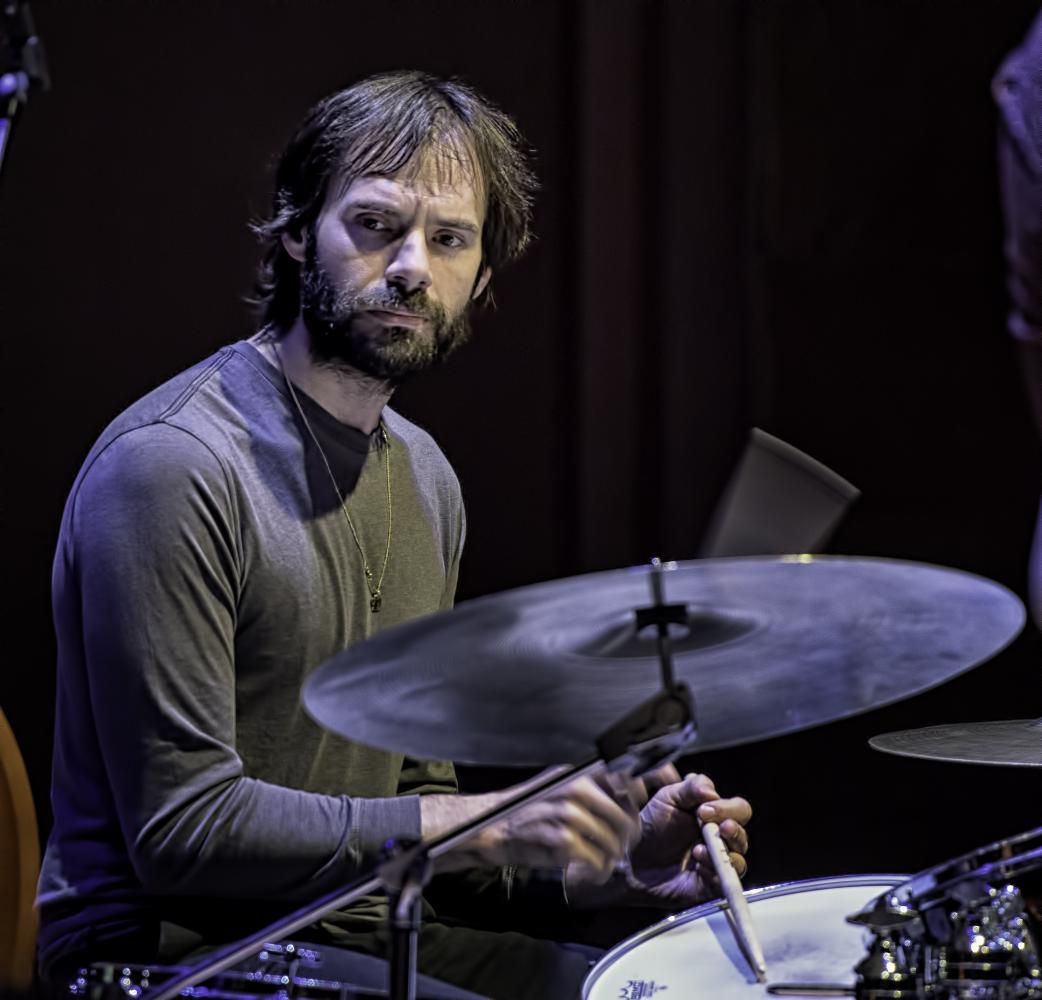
pixel 146 586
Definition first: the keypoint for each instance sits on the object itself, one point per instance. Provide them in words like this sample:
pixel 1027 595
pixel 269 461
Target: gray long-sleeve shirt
pixel 204 567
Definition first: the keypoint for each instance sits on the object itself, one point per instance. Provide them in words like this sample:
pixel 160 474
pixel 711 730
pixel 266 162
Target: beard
pixel 389 353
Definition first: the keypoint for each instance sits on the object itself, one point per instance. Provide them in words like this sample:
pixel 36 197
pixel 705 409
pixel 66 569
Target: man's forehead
pixel 449 180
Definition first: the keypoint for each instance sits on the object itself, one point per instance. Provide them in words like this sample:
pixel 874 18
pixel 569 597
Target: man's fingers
pixel 701 859
pixel 581 823
pixel 691 791
pixel 722 810
pixel 660 777
pixel 553 834
pixel 573 847
pixel 630 793
pixel 598 819
pixel 736 837
pixel 614 807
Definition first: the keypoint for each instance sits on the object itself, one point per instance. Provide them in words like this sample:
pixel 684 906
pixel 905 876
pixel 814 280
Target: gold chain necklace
pixel 375 593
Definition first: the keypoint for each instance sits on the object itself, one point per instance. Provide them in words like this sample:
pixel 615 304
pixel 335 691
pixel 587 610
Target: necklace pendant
pixel 374 603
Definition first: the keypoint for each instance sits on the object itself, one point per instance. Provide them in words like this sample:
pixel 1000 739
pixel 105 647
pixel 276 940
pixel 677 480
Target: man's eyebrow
pixel 389 208
pixel 464 224
pixel 374 206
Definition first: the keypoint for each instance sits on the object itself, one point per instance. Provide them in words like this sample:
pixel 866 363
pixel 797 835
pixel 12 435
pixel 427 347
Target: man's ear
pixel 293 245
pixel 479 286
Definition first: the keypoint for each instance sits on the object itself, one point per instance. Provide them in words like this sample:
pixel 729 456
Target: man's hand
pixel 670 866
pixel 581 824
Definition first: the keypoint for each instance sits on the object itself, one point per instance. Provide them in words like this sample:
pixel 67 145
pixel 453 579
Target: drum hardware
pixel 809 990
pixel 280 971
pixel 1013 743
pixel 960 931
pixel 23 66
pixel 405 873
pixel 890 971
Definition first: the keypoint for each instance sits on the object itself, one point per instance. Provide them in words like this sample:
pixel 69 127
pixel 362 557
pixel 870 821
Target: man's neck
pixel 352 397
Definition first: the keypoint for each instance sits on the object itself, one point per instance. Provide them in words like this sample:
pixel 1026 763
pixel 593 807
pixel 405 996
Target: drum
pixel 801 926
pixel 967 929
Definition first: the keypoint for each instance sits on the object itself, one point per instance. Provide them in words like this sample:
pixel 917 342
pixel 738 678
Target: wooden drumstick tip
pixel 742 924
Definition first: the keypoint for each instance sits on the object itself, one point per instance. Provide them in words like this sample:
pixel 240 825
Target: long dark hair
pixel 377 126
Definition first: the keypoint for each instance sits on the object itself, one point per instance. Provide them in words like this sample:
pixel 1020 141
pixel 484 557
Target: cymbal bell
pixel 534 676
pixel 1012 743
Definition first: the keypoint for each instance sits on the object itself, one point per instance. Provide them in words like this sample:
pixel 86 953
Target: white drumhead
pixel 801 926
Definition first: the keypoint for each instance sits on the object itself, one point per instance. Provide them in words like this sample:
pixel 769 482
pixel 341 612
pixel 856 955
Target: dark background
pixel 779 213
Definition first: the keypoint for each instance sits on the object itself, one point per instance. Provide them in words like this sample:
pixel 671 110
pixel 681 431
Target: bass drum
pixel 801 926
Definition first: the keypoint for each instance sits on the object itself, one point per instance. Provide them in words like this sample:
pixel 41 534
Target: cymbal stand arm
pixel 661 614
pixel 664 726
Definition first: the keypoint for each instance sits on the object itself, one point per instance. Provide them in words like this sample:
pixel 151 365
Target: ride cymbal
pixel 534 676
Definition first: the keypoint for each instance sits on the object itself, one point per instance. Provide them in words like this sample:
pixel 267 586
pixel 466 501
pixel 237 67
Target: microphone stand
pixel 24 67
pixel 654 733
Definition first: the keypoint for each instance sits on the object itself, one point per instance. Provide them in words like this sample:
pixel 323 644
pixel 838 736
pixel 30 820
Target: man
pixel 260 512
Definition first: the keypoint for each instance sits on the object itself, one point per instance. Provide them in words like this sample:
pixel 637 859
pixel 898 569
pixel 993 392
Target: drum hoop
pixel 884 882
pixel 975 864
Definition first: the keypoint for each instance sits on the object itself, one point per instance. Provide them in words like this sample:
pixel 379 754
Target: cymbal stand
pixel 651 735
pixel 405 876
pixel 23 66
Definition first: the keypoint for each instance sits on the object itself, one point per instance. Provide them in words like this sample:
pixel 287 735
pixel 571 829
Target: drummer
pixel 258 513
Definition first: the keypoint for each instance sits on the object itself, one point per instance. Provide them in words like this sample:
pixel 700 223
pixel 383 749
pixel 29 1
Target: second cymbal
pixel 1012 743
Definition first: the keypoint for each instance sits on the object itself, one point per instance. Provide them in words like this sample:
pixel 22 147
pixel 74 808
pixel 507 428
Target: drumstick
pixel 742 924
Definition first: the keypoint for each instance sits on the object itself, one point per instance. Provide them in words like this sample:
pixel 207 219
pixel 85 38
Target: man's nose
pixel 410 268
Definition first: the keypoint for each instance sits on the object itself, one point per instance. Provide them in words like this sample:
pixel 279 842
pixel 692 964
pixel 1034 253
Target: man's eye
pixel 373 223
pixel 450 240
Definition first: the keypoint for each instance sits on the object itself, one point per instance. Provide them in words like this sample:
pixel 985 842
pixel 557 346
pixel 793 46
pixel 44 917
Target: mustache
pixel 417 302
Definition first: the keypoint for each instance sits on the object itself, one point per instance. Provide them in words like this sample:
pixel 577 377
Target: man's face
pixel 389 269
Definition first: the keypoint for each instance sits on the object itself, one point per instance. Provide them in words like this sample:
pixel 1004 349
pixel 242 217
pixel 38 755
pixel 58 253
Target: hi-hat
pixel 772 645
pixel 1013 743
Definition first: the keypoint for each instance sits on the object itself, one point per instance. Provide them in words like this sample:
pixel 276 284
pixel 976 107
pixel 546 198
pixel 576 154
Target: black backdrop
pixel 779 213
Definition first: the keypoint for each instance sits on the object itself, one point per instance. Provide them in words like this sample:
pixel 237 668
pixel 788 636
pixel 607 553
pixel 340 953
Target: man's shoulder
pixel 423 450
pixel 192 415
pixel 165 399
pixel 197 400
